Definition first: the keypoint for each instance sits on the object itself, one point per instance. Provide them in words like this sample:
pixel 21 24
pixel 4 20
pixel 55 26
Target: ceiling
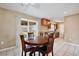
pixel 47 10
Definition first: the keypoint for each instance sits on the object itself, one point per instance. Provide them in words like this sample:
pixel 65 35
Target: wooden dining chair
pixel 51 43
pixel 41 33
pixel 48 48
pixel 25 46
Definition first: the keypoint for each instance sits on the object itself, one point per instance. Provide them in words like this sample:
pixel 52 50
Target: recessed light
pixel 65 12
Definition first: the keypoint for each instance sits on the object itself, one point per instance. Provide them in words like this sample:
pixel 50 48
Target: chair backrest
pixel 51 42
pixel 30 35
pixel 23 42
pixel 46 34
pixel 41 33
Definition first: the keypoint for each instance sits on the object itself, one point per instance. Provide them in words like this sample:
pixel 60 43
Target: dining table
pixel 38 42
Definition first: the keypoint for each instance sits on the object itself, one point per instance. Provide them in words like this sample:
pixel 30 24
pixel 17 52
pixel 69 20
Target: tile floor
pixel 60 49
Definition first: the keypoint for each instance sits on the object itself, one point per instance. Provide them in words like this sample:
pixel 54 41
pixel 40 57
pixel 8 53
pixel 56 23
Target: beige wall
pixel 71 24
pixel 8 27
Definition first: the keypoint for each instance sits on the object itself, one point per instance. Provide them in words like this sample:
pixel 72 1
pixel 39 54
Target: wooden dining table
pixel 38 41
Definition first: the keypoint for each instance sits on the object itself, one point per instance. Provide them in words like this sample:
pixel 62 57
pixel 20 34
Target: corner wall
pixel 71 29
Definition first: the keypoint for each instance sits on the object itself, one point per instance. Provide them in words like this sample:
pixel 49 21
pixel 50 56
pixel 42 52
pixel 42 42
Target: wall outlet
pixel 2 42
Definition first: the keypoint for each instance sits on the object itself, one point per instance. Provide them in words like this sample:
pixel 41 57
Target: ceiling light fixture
pixel 35 5
pixel 65 12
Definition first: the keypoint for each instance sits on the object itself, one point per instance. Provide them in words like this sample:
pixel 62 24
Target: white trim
pixel 7 48
pixel 71 44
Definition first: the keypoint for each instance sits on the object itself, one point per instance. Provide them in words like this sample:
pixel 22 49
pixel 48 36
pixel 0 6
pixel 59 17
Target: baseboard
pixel 71 44
pixel 7 48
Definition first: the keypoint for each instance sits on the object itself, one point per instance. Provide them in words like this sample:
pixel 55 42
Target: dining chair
pixel 25 46
pixel 40 51
pixel 51 43
pixel 48 48
pixel 41 33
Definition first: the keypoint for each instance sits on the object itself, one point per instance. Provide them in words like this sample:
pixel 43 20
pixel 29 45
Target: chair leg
pixel 25 53
pixel 52 50
pixel 39 53
pixel 34 53
pixel 47 50
pixel 30 54
pixel 43 53
pixel 47 54
pixel 52 53
pixel 22 53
